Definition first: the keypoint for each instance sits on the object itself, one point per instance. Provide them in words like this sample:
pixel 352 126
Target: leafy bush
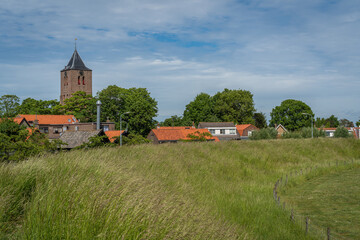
pixel 342 132
pixel 95 141
pixel 17 144
pixel 305 133
pixel 265 133
pixel 134 139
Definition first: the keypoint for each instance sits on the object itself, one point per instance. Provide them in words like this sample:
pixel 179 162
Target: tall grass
pixel 176 191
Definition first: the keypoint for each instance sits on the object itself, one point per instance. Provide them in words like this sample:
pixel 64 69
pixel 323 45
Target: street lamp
pixel 98 105
pixel 312 130
pixel 120 127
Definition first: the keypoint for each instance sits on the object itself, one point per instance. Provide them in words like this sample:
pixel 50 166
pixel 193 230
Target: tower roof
pixel 76 63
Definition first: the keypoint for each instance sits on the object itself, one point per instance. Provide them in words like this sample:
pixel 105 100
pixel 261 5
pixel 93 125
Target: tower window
pixel 78 80
pixel 83 80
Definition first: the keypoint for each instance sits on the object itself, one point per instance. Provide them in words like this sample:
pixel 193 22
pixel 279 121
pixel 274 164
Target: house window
pixel 232 131
pixel 105 128
pixel 76 128
pixel 250 133
pixel 78 80
pixel 212 131
pixel 44 130
pixel 222 131
pixel 83 80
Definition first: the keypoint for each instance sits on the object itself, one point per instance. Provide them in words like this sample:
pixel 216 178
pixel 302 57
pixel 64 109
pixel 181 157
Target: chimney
pixel 193 125
pixel 158 126
pixel 36 122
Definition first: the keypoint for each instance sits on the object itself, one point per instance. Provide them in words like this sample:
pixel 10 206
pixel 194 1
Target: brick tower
pixel 75 77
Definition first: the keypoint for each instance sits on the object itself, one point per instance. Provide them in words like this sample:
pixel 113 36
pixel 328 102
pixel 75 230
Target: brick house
pixel 55 125
pixel 245 130
pixel 280 129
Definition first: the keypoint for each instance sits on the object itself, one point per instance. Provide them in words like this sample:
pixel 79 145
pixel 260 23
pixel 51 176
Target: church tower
pixel 75 77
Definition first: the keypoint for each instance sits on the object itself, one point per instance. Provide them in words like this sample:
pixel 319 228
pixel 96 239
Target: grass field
pixel 176 191
pixel 330 199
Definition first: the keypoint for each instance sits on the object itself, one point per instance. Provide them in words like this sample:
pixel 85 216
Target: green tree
pixel 330 122
pixel 81 105
pixel 174 121
pixel 346 123
pixel 260 120
pixel 142 109
pixel 234 106
pixel 16 144
pixel 9 105
pixel 342 132
pixel 358 123
pixel 200 110
pixel 290 115
pixel 33 106
pixel 113 100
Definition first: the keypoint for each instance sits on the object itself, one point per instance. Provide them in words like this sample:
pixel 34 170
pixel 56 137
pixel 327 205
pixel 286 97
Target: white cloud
pixel 306 50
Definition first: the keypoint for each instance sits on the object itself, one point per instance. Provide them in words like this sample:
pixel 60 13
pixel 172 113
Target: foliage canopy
pixel 290 115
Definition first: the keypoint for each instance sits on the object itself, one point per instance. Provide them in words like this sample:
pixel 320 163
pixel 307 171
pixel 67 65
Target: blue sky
pixel 306 50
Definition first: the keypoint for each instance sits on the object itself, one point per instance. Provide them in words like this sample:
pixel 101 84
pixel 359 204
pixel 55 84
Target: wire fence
pixel 310 226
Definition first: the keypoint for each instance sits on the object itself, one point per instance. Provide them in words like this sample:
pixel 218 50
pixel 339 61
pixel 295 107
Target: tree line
pixel 227 106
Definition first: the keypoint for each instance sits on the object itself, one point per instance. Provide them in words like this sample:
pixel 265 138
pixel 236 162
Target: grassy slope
pixel 330 199
pixel 183 191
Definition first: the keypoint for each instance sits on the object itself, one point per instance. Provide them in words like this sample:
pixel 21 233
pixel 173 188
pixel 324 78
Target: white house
pixel 222 130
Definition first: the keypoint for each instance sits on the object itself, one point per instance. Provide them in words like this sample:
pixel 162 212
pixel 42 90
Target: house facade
pixel 280 129
pixel 222 130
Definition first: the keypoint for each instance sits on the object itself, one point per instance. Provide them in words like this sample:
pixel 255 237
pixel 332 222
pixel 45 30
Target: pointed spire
pixel 76 62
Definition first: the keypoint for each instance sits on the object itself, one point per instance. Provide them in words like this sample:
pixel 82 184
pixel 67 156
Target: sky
pixel 306 50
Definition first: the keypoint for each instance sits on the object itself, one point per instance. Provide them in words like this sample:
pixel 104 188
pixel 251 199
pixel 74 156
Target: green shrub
pixel 342 132
pixel 265 133
pixel 134 139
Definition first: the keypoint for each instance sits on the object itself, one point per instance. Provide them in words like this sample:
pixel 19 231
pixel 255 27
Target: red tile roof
pixel 179 134
pixel 18 120
pixel 241 127
pixel 113 134
pixel 50 119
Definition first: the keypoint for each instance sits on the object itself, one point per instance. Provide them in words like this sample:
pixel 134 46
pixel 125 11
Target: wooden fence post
pixel 292 215
pixel 328 233
pixel 307 225
pixel 286 179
